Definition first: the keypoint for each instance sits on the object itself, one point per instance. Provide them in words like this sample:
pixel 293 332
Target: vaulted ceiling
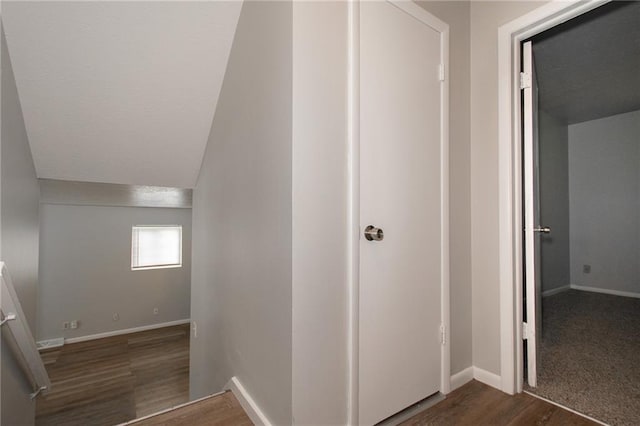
pixel 589 67
pixel 119 92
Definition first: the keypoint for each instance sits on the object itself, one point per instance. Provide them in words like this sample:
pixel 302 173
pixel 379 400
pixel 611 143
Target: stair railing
pixel 18 337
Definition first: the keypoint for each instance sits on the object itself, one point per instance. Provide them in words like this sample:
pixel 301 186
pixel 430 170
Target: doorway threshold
pixel 413 410
pixel 564 407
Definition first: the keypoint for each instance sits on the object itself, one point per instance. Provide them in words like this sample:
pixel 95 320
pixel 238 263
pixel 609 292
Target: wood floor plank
pixel 116 379
pixel 119 379
pixel 221 410
pixel 479 404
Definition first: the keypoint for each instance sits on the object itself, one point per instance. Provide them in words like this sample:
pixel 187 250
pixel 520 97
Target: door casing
pixel 353 125
pixel 510 171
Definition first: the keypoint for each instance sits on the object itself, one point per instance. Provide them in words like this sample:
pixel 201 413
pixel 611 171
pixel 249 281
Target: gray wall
pixel 20 197
pixel 457 15
pixel 554 201
pixel 486 18
pixel 604 186
pixel 85 271
pixel 19 238
pixel 53 191
pixel 241 292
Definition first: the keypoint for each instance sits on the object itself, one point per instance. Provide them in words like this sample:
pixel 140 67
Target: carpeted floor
pixel 590 355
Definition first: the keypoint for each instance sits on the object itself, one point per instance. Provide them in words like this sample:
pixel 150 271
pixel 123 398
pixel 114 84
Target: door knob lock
pixel 371 233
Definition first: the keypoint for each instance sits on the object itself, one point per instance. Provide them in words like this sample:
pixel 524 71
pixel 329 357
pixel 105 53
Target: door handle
pixel 371 233
pixel 543 229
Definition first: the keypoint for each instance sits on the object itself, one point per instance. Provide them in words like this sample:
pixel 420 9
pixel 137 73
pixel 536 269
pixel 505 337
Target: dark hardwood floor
pixel 220 410
pixel 116 379
pixel 478 404
pixel 474 404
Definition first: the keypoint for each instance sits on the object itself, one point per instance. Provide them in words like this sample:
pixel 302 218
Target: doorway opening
pixel 581 210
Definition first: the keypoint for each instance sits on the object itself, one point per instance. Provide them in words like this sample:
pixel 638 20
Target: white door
pixel 532 227
pixel 401 193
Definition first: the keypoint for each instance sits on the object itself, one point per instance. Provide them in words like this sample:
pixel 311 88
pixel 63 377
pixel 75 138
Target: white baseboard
pixel 470 373
pixel 557 290
pixel 246 401
pixel 462 378
pixel 487 378
pixel 126 331
pixel 606 291
pixel 50 343
pixel 591 289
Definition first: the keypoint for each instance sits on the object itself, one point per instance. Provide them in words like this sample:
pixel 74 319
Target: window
pixel 154 247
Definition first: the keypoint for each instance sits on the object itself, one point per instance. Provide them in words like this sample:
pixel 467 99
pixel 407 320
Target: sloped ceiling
pixel 589 67
pixel 119 92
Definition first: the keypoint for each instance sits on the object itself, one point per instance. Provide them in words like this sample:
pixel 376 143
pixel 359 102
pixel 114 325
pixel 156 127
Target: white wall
pixel 320 168
pixel 474 189
pixel 604 186
pixel 457 15
pixel 19 239
pixel 85 271
pixel 241 292
pixel 320 292
pixel 486 18
pixel 554 201
pixel 319 206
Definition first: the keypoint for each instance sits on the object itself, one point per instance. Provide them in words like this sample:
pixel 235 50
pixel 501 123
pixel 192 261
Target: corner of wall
pixel 253 410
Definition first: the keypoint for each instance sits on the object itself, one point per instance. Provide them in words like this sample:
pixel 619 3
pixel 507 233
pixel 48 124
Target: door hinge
pixel 525 331
pixel 525 80
pixel 441 72
pixel 443 334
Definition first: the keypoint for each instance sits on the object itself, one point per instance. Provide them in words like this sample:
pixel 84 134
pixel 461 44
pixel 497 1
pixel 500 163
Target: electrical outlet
pixel 586 269
pixel 195 330
pixel 155 311
pixel 116 316
pixel 74 324
pixel 65 325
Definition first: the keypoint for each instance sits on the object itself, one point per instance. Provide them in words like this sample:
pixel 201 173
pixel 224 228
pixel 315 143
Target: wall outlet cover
pixel 116 316
pixel 586 269
pixel 65 325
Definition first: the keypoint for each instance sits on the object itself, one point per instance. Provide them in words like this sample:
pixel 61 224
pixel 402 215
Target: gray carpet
pixel 590 355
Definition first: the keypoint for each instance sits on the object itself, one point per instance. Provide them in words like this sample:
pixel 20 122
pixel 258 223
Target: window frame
pixel 160 265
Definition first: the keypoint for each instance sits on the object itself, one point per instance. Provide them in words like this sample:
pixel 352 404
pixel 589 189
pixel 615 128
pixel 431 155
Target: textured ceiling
pixel 589 67
pixel 119 92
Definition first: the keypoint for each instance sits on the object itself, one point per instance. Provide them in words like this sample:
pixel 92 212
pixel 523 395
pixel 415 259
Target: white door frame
pixel 510 36
pixel 353 124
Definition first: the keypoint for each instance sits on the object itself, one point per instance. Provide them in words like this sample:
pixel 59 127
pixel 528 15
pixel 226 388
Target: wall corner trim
pixel 246 401
pixel 461 378
pixel 470 373
pixel 605 291
pixel 556 290
pixel 487 378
